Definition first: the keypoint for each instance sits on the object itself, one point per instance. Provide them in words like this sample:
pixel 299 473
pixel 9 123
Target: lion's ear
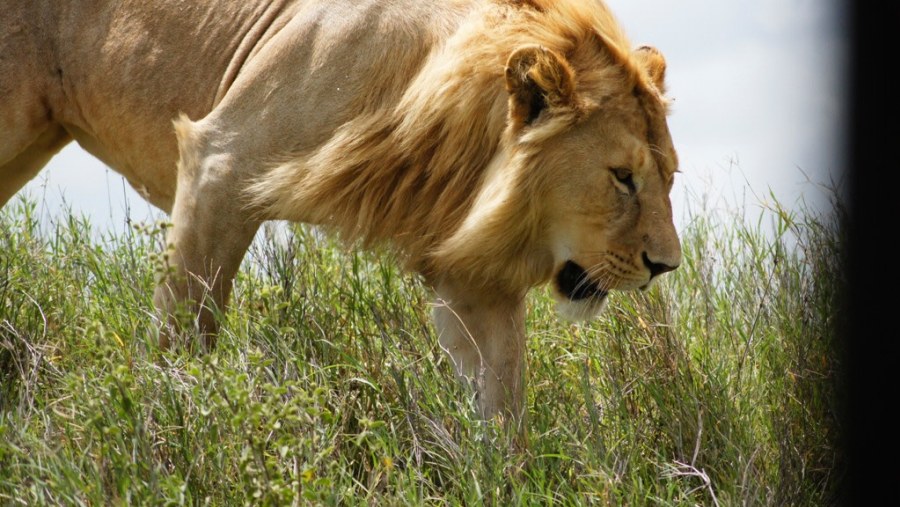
pixel 537 78
pixel 655 63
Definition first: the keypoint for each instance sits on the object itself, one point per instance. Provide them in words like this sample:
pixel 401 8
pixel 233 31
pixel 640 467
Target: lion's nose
pixel 656 268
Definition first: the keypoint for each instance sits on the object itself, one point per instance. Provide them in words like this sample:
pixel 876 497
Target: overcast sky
pixel 758 105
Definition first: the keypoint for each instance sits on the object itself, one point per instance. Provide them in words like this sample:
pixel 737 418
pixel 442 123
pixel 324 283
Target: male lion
pixel 495 144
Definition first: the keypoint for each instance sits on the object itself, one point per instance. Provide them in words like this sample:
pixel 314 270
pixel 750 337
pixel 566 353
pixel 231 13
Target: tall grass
pixel 327 385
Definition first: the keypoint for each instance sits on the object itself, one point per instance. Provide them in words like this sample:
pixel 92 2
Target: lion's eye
pixel 625 177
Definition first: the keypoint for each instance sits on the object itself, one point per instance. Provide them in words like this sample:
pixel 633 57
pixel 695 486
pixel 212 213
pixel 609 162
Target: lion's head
pixel 606 171
pixel 578 194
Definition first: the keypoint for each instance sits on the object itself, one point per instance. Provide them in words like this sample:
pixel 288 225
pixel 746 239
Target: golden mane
pixel 408 173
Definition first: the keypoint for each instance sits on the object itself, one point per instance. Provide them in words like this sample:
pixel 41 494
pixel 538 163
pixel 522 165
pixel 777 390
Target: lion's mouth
pixel 574 283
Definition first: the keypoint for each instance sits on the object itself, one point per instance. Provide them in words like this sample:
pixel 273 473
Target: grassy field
pixel 328 387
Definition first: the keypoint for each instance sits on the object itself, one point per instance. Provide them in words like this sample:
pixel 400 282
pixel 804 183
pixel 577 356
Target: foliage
pixel 327 386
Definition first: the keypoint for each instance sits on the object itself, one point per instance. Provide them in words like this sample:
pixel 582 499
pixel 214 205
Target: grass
pixel 327 386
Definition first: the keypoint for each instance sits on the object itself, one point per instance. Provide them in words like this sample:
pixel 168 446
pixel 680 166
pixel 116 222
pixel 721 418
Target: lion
pixel 495 145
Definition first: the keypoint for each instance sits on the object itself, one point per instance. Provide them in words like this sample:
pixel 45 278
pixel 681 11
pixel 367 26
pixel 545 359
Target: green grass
pixel 327 385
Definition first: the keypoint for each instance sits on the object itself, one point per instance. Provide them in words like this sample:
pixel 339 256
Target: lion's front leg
pixel 485 337
pixel 211 231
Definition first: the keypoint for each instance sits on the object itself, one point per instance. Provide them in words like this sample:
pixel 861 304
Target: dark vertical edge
pixel 869 320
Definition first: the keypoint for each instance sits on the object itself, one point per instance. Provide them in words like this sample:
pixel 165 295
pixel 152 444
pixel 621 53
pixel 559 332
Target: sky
pixel 758 108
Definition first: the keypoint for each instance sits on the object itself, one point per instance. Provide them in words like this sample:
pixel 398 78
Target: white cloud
pixel 780 16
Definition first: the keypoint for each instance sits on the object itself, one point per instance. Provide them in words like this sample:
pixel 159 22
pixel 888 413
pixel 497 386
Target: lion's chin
pixel 582 309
